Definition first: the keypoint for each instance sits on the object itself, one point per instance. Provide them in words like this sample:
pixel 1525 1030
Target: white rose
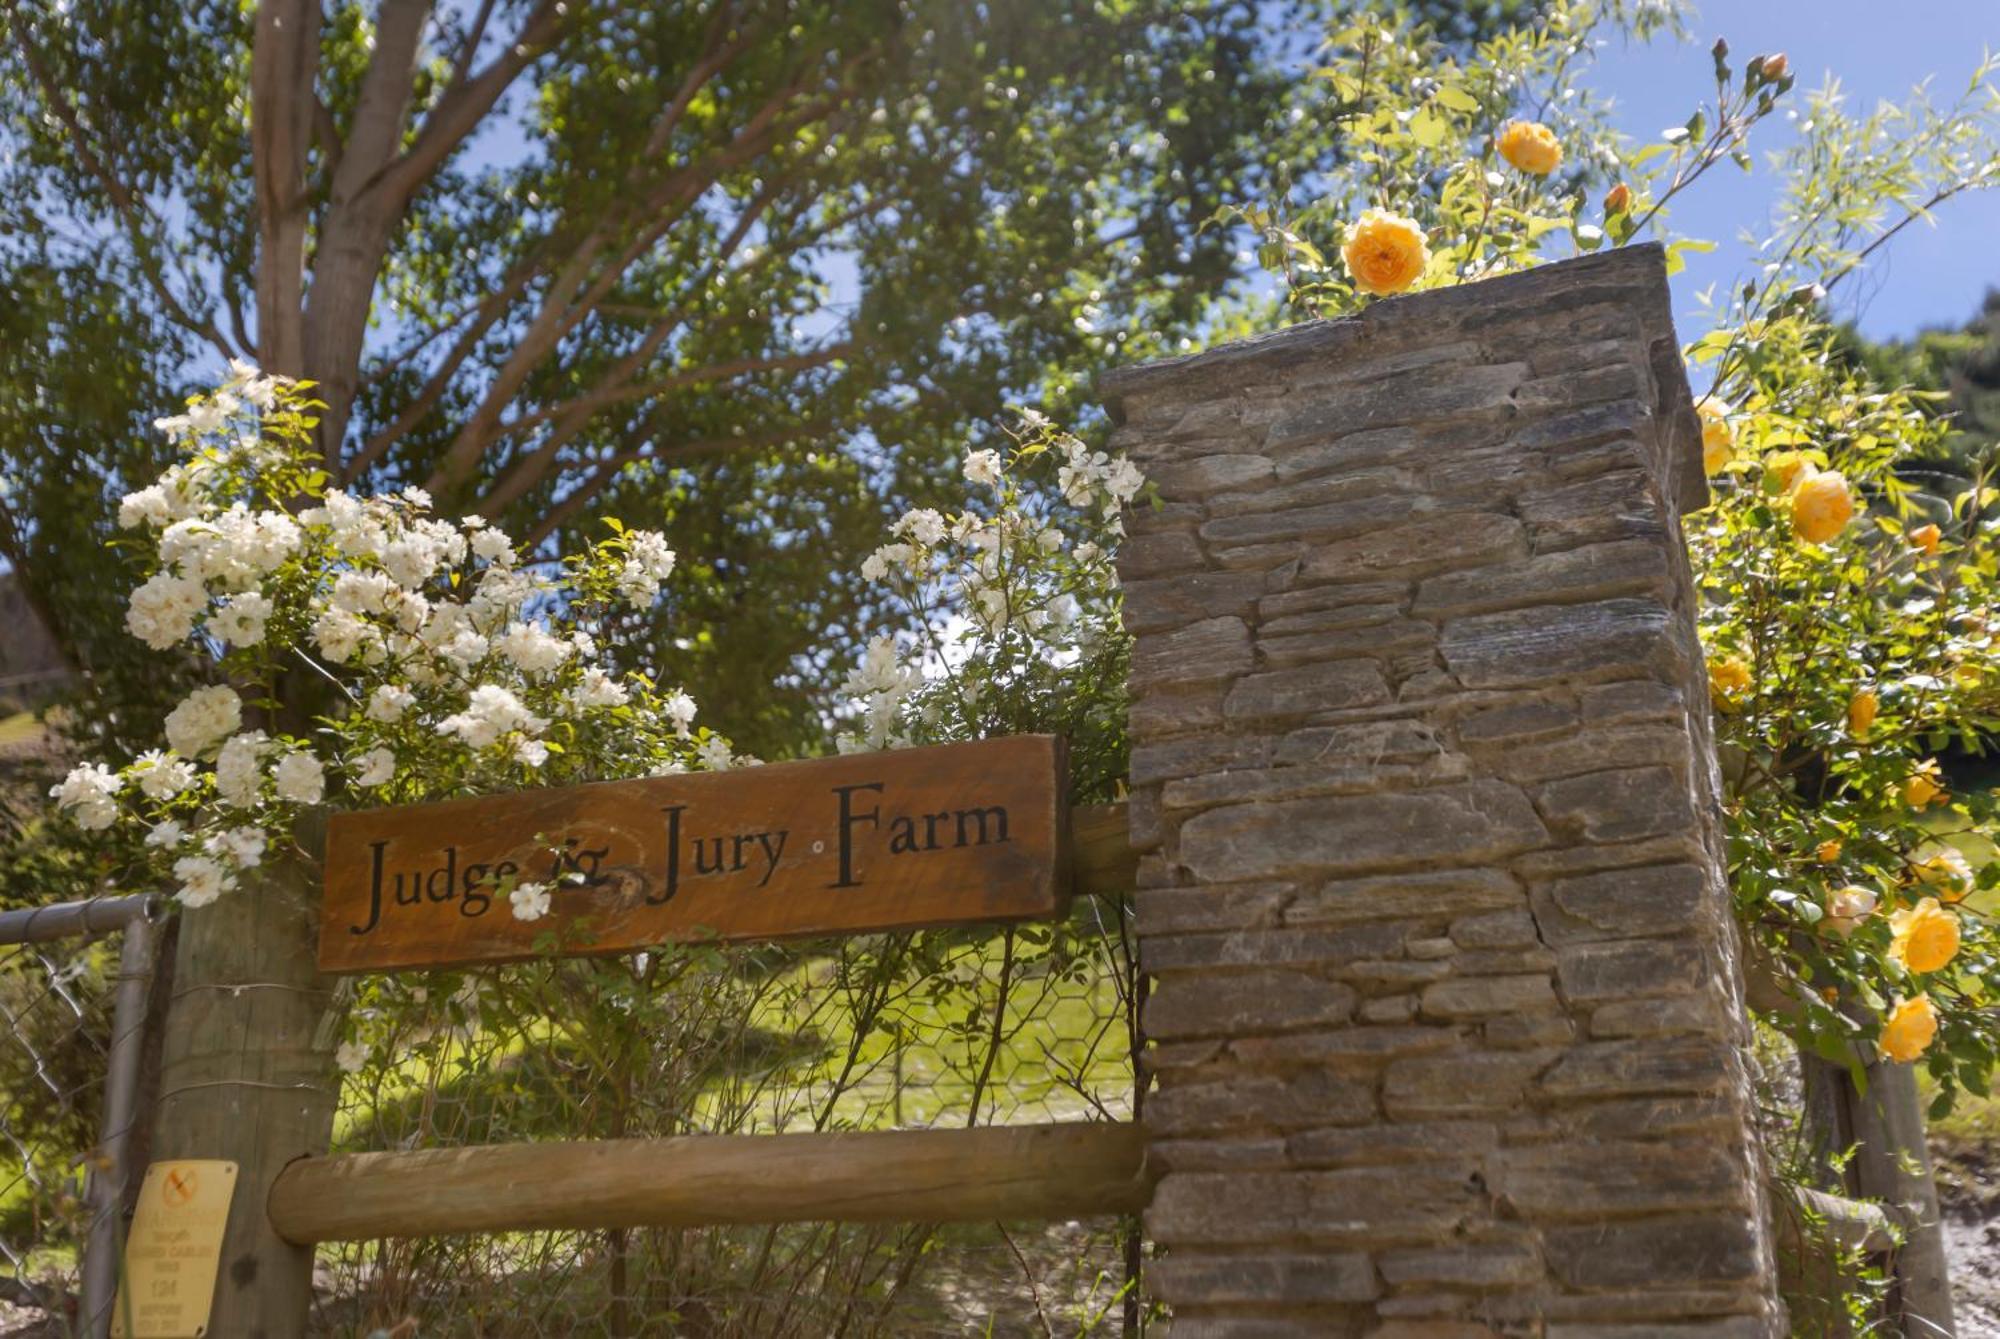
pixel 532 649
pixel 240 621
pixel 162 611
pixel 388 703
pixel 203 879
pixel 530 901
pixel 239 773
pixel 161 775
pixel 206 715
pixel 983 467
pixel 299 778
pixel 85 795
pixel 598 689
pixel 377 767
pixel 242 845
pixel 493 545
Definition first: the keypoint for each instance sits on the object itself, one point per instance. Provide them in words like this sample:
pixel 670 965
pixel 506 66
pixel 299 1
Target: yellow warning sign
pixel 173 1251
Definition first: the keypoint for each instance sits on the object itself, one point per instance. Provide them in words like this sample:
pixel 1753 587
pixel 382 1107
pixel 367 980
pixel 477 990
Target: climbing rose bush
pixel 1005 597
pixel 440 660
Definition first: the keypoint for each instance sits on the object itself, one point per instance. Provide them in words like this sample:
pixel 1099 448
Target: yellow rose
pixel 1849 907
pixel 1821 507
pixel 1728 681
pixel 1718 439
pixel 1829 851
pixel 1385 252
pixel 1618 199
pixel 1925 786
pixel 1531 147
pixel 1947 870
pixel 1926 936
pixel 1785 469
pixel 1926 538
pixel 1910 1029
pixel 1861 713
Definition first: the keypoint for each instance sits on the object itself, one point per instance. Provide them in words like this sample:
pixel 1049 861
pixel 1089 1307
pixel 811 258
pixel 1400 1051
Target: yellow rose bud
pixel 1775 68
pixel 1926 936
pixel 1784 470
pixel 1861 713
pixel 1926 538
pixel 1924 787
pixel 1829 851
pixel 1728 682
pixel 1385 252
pixel 1718 439
pixel 1910 1029
pixel 1947 870
pixel 1531 147
pixel 1847 908
pixel 1821 507
pixel 1618 199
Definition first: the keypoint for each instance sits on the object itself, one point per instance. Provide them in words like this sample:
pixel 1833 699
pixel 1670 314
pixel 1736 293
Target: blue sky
pixel 1879 51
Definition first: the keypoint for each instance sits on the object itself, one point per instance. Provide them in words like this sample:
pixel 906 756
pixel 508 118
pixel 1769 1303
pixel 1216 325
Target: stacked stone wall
pixel 1447 1018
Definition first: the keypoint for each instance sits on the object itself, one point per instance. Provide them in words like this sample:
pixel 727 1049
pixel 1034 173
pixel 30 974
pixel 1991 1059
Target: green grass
pixel 502 1086
pixel 20 728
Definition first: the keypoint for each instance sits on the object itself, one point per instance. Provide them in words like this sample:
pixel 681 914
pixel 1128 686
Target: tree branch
pixel 139 231
pixel 530 469
pixel 468 100
pixel 474 35
pixel 560 313
pixel 489 311
pixel 577 498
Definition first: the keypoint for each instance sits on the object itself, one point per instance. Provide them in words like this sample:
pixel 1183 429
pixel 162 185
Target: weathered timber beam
pixel 1806 1218
pixel 917 1176
pixel 1101 856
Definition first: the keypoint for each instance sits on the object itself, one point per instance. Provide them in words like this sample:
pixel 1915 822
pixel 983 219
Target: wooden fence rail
pixel 998 1172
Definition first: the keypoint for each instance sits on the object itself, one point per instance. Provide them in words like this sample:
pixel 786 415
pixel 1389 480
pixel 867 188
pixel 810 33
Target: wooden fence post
pixel 246 1075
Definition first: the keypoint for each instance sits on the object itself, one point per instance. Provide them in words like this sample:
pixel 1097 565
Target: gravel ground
pixel 1969 1190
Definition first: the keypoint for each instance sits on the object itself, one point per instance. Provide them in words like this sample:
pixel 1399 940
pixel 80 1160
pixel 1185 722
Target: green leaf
pixel 1455 98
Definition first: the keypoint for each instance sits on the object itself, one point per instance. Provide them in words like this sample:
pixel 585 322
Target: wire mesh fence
pixel 991 1026
pixel 72 997
pixel 55 1002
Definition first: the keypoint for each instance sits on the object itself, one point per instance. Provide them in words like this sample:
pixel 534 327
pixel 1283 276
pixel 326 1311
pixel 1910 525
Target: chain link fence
pixel 987 1026
pixel 73 982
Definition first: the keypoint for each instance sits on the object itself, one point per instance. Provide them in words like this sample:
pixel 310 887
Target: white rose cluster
pixel 457 661
pixel 1007 578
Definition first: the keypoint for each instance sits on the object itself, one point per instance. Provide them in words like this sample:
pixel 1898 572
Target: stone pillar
pixel 1448 1020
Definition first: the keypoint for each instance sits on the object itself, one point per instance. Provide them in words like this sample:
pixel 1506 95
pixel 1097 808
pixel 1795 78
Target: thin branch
pixel 486 315
pixel 528 471
pixel 466 103
pixel 128 206
pixel 600 477
pixel 561 313
pixel 473 37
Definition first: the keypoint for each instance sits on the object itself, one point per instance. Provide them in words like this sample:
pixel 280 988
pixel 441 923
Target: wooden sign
pixel 173 1250
pixel 875 841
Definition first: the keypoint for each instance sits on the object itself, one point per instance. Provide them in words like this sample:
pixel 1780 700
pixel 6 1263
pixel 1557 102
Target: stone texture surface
pixel 1447 1016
